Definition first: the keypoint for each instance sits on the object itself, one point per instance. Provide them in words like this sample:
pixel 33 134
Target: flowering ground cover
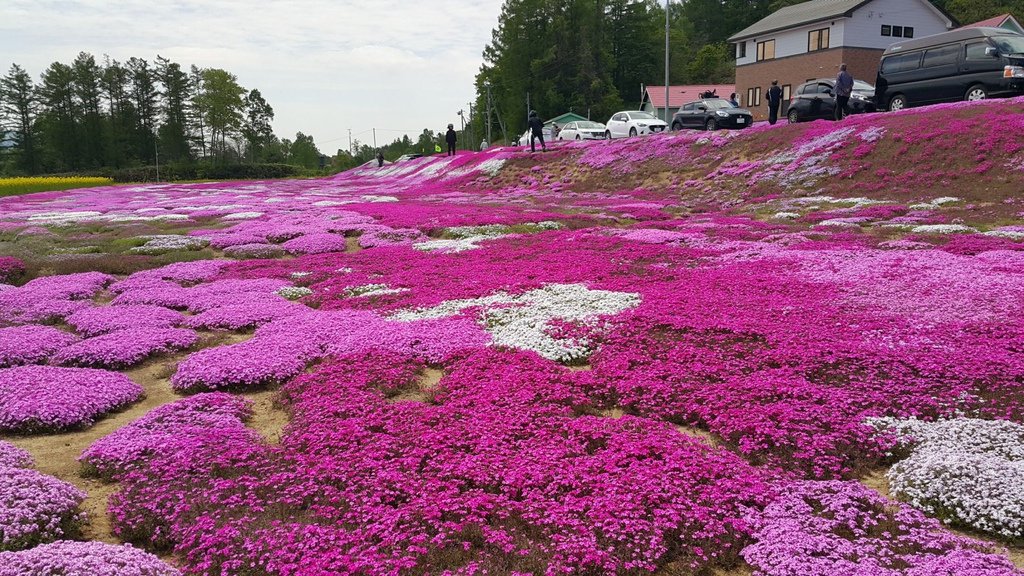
pixel 671 355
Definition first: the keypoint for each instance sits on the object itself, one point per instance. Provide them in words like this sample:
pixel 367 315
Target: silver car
pixel 582 130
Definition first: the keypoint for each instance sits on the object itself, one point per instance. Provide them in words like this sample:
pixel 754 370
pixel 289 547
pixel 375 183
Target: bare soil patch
pixel 268 418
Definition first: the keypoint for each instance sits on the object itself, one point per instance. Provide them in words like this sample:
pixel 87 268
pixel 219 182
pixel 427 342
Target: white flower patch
pixel 345 270
pixel 936 203
pixel 241 215
pixel 293 292
pixel 158 244
pixel 326 203
pixel 367 290
pixel 942 229
pixel 785 215
pixel 64 217
pixel 839 223
pixel 452 246
pixel 524 321
pixel 963 470
pixel 1011 234
pixel 377 198
pixel 872 134
pixel 300 274
pixel 135 218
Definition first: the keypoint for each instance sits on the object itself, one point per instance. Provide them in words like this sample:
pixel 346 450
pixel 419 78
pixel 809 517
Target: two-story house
pixel 810 40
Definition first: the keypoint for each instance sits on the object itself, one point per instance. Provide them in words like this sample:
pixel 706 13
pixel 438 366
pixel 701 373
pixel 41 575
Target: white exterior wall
pixel 864 28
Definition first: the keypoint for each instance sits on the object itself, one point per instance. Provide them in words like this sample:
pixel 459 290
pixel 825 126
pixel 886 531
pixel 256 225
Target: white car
pixel 582 130
pixel 633 123
pixel 524 140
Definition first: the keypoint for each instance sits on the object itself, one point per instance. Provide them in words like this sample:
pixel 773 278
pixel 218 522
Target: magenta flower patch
pixel 35 399
pixel 102 319
pixel 31 344
pixel 92 558
pixel 35 508
pixel 13 457
pixel 123 348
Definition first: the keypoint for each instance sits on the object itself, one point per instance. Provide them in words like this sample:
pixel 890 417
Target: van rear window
pixel 901 62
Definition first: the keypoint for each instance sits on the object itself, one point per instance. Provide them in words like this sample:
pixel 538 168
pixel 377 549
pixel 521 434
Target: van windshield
pixel 1009 44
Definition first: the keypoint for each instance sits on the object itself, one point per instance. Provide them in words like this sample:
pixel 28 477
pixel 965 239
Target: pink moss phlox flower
pixel 31 344
pixel 123 348
pixel 164 430
pixel 36 399
pixel 35 508
pixel 102 319
pixel 93 558
pixel 13 457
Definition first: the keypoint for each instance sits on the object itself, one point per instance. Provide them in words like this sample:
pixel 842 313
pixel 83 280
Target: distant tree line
pixel 592 56
pixel 90 116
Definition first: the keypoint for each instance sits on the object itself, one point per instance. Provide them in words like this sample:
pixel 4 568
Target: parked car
pixel 582 130
pixel 633 123
pixel 962 64
pixel 405 157
pixel 711 114
pixel 524 140
pixel 815 99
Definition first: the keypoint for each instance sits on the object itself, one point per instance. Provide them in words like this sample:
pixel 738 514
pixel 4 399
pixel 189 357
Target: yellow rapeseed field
pixel 14 186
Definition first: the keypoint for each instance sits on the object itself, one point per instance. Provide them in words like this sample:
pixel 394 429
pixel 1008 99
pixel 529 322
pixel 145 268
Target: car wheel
pixel 712 125
pixel 898 102
pixel 676 126
pixel 607 134
pixel 976 92
pixel 793 116
pixel 632 132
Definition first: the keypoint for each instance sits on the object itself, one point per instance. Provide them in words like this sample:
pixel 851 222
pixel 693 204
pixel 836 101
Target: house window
pixel 908 31
pixel 750 96
pixel 741 50
pixel 817 40
pixel 886 30
pixel 766 50
pixel 757 96
pixel 897 31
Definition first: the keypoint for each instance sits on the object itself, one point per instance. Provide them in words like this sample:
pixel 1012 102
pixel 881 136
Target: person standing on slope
pixel 451 139
pixel 774 101
pixel 844 87
pixel 536 131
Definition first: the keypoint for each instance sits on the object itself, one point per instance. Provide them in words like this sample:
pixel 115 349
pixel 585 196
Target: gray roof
pixel 798 15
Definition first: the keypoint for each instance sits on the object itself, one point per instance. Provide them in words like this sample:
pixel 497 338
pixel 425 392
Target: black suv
pixel 813 100
pixel 711 114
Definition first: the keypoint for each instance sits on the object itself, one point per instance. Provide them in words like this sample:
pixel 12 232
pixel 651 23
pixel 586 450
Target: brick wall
pixel 795 70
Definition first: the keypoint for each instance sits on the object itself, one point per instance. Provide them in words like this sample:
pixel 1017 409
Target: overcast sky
pixel 324 65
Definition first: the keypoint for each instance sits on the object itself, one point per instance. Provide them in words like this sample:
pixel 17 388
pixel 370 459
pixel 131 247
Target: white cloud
pixel 324 65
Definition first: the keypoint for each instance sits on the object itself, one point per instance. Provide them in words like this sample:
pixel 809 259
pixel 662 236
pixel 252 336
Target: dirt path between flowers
pixel 877 481
pixel 57 454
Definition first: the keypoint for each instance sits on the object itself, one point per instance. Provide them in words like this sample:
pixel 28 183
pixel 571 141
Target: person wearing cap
pixel 774 101
pixel 536 131
pixel 451 138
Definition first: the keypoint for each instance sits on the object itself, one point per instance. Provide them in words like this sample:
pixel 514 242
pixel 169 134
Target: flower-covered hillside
pixel 676 355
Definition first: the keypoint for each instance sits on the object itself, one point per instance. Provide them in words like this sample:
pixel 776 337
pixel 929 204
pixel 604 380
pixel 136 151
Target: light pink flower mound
pixel 164 429
pixel 833 527
pixel 36 399
pixel 66 558
pixel 31 344
pixel 102 319
pixel 125 348
pixel 316 244
pixel 13 457
pixel 35 508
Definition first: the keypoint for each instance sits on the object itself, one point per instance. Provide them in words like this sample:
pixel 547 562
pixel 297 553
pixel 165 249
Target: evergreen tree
pixel 173 132
pixel 18 105
pixel 58 121
pixel 256 128
pixel 144 95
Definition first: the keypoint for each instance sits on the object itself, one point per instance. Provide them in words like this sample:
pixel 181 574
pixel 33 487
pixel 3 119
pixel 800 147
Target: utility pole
pixel 488 86
pixel 374 138
pixel 350 151
pixel 472 140
pixel 156 148
pixel 462 120
pixel 666 63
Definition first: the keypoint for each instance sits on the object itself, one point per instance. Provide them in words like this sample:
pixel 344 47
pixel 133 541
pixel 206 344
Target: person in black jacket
pixel 774 101
pixel 536 131
pixel 451 139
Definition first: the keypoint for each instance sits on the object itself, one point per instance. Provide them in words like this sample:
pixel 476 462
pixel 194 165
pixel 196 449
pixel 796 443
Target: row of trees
pixel 592 56
pixel 86 116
